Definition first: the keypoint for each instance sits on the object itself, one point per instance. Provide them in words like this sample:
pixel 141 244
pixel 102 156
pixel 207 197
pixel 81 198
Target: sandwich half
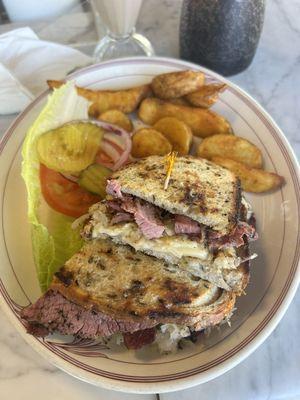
pixel 199 222
pixel 106 289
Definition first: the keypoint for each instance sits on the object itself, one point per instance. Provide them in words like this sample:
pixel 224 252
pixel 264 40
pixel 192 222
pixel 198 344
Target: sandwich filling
pixel 54 313
pixel 170 245
pixel 107 289
pixel 145 227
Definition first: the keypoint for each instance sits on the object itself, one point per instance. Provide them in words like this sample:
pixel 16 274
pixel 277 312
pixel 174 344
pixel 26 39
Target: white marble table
pixel 273 371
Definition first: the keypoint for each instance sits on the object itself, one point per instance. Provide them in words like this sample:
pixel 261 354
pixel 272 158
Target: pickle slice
pixel 71 147
pixel 94 179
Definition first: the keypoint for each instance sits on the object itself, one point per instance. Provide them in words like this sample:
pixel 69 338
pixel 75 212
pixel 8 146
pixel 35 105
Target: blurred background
pixel 73 22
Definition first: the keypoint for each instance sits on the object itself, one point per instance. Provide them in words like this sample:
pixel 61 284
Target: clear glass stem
pixel 121 39
pixel 126 36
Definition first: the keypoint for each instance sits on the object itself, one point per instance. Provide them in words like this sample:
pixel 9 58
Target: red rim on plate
pixel 220 364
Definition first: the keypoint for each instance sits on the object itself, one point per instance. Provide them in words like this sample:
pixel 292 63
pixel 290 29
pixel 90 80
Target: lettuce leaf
pixel 55 242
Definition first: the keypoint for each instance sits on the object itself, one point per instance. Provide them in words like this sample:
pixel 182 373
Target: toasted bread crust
pixel 198 188
pixel 243 270
pixel 226 277
pixel 206 317
pixel 234 216
pixel 135 287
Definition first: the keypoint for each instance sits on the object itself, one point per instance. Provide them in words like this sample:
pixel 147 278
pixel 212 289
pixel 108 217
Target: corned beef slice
pixel 54 313
pixel 121 217
pixel 138 339
pixel 113 188
pixel 186 225
pixel 128 204
pixel 235 238
pixel 114 205
pixel 147 217
pixel 145 214
pixel 147 221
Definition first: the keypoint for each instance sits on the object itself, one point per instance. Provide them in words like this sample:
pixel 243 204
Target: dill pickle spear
pixel 94 179
pixel 70 148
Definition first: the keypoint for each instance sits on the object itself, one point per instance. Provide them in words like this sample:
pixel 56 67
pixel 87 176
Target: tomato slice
pixel 63 195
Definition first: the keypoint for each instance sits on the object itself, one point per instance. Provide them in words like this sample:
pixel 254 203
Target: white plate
pixel 275 274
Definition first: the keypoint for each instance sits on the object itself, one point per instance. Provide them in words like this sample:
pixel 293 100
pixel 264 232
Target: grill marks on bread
pixel 133 292
pixel 133 285
pixel 198 188
pixel 228 276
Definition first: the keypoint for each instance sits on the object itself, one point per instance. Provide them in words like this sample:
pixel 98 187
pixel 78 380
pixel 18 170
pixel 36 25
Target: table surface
pixel 273 370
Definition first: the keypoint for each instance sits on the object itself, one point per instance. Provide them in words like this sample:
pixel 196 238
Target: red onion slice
pixel 103 159
pixel 125 155
pixel 118 137
pixel 116 140
pixel 121 134
pixel 110 151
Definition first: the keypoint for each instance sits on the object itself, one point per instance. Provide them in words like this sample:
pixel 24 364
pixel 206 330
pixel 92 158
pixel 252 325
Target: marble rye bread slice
pixel 107 288
pixel 100 225
pixel 199 189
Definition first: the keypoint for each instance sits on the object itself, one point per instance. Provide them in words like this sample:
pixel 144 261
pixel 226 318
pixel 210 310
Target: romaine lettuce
pixel 52 246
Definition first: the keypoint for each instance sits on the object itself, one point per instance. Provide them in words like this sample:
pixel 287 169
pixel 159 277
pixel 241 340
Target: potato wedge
pixel 53 84
pixel 206 96
pixel 83 92
pixel 181 101
pixel 252 179
pixel 94 111
pixel 123 100
pixel 177 132
pixel 177 84
pixel 233 147
pixel 118 118
pixel 202 122
pixel 148 142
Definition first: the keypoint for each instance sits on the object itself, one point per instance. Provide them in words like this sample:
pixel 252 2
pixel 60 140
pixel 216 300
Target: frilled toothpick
pixel 170 159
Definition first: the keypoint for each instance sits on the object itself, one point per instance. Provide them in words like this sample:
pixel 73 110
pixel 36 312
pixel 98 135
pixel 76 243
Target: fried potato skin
pixel 177 132
pixel 180 101
pixel 118 118
pixel 126 100
pixel 202 122
pixel 53 84
pixel 147 142
pixel 177 84
pixel 83 92
pixel 252 179
pixel 206 96
pixel 233 147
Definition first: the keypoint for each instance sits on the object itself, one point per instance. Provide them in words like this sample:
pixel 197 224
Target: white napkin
pixel 27 62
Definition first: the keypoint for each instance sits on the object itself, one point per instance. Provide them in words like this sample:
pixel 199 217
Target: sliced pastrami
pixel 138 339
pixel 147 221
pixel 186 225
pixel 233 239
pixel 121 217
pixel 114 188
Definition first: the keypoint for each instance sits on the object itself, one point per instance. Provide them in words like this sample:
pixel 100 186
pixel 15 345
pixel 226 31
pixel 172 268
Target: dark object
pixel 221 34
pixel 196 335
pixel 138 339
pixel 3 15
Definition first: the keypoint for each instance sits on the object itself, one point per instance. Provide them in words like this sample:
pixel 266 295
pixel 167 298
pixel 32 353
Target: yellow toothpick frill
pixel 170 159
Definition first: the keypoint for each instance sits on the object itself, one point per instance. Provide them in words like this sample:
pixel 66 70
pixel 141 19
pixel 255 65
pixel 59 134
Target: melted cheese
pixel 170 246
pixel 226 259
pixel 176 246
